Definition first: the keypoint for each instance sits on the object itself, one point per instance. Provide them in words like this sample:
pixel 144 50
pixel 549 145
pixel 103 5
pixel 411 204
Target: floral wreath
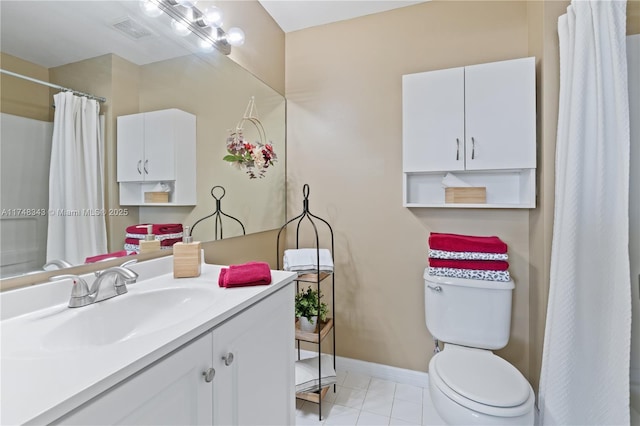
pixel 254 158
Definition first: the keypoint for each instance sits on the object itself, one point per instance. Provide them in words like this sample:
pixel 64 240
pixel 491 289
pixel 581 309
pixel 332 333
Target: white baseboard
pixel 380 371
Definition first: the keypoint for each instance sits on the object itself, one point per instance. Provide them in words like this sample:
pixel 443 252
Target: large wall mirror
pixel 81 45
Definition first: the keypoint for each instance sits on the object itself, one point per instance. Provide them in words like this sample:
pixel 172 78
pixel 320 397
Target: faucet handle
pixel 58 263
pixel 79 291
pixel 129 263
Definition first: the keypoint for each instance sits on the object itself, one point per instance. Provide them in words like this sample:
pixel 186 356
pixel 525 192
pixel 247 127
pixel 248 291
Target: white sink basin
pixel 125 317
pixel 143 310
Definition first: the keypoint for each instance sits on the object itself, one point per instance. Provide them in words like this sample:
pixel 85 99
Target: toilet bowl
pixel 471 386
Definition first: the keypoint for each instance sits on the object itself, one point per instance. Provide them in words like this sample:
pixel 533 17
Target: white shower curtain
pixel 76 181
pixel 585 364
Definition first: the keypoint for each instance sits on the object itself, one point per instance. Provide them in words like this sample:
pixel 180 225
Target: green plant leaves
pixel 308 304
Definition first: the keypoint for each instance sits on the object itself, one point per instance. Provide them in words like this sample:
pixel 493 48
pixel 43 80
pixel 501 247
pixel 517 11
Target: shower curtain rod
pixel 55 86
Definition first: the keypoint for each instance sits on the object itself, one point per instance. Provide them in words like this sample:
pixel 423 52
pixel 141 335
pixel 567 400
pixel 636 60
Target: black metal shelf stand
pixel 315 221
pixel 217 215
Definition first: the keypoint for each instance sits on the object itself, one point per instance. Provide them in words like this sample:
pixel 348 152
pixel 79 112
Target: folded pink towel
pixel 158 228
pixel 247 274
pixel 92 259
pixel 457 242
pixel 483 265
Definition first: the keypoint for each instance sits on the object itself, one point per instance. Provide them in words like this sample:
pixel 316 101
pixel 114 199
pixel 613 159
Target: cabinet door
pixel 433 120
pixel 500 115
pixel 161 134
pixel 130 143
pixel 172 391
pixel 257 387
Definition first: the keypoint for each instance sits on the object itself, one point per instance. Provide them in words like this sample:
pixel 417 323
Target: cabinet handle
pixel 457 149
pixel 146 162
pixel 228 359
pixel 138 166
pixel 473 148
pixel 209 375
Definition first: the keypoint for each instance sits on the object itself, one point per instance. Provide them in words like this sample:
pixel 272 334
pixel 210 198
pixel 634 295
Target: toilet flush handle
pixel 436 288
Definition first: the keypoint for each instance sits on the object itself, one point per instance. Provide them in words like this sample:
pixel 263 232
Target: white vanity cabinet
pixel 154 147
pixel 249 360
pixel 254 358
pixel 478 121
pixel 171 391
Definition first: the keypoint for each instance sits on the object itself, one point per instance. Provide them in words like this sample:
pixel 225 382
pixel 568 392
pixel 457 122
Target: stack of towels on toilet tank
pixel 468 256
pixel 167 233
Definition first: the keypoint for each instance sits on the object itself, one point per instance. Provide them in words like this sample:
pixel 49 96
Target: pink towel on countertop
pixel 456 242
pixel 484 265
pixel 246 274
pixel 158 228
pixel 98 258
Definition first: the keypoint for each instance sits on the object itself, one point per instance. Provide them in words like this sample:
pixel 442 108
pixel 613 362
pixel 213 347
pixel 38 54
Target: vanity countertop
pixel 44 376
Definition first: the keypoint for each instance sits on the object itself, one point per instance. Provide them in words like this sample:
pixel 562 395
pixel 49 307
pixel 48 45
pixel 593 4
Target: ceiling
pixel 53 33
pixel 41 32
pixel 296 15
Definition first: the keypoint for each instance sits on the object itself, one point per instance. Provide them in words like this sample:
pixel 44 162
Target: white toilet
pixel 470 385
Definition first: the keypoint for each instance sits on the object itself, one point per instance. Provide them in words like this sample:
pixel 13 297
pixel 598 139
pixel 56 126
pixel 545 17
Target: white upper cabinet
pixel 130 143
pixel 478 121
pixel 433 120
pixel 500 115
pixel 157 147
pixel 163 136
pixel 478 117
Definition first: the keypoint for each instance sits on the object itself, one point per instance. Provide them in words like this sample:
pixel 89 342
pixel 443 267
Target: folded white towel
pixel 306 260
pixel 451 180
pixel 307 379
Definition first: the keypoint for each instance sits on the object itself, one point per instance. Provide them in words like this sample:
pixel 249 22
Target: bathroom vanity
pixel 169 351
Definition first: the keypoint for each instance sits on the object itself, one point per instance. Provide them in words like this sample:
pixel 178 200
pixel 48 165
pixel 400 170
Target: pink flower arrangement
pixel 254 158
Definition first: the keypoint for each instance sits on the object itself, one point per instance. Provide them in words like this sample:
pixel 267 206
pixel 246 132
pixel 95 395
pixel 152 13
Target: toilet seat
pixel 481 381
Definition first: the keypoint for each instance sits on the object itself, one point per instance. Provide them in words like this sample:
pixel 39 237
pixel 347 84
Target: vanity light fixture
pixel 187 18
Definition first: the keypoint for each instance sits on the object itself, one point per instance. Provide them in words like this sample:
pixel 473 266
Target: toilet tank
pixel 473 313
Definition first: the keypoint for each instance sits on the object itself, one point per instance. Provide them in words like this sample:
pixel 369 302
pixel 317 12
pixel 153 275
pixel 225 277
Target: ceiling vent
pixel 132 28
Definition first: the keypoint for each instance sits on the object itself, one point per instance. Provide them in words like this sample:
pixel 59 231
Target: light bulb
pixel 150 8
pixel 205 45
pixel 213 16
pixel 235 36
pixel 180 28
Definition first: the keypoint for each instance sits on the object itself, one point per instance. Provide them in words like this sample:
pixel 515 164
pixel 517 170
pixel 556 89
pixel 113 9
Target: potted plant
pixel 309 308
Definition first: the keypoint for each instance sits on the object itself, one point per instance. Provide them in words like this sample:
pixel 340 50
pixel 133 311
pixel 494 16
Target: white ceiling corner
pixel 293 15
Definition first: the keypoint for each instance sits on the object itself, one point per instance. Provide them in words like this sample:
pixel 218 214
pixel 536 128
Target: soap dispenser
pixel 187 257
pixel 149 244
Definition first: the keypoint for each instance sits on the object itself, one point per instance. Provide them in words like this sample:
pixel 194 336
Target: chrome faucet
pixel 109 283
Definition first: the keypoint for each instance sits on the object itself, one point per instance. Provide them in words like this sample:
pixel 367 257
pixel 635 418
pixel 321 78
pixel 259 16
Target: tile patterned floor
pixel 364 400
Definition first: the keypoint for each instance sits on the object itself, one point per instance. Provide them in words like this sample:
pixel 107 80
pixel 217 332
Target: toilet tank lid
pixel 463 282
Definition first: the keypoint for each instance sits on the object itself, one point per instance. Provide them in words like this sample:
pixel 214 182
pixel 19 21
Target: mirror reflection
pixel 81 45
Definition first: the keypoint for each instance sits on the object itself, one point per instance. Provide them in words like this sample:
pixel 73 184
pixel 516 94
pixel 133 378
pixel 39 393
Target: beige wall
pixel 263 52
pixel 343 88
pixel 21 97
